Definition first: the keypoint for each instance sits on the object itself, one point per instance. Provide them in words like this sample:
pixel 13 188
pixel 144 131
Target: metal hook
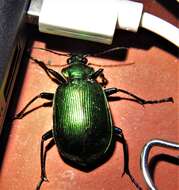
pixel 144 158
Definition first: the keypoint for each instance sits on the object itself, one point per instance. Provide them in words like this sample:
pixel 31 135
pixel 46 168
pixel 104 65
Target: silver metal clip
pixel 144 158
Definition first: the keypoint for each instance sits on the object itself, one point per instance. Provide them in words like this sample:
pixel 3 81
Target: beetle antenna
pixel 48 64
pixel 112 65
pixel 86 55
pixel 108 51
pixel 54 52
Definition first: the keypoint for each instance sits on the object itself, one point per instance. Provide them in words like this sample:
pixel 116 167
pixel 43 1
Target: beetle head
pixel 77 59
pixel 77 67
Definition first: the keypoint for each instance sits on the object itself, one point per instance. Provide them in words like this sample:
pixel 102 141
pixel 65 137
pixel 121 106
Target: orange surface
pixel 153 76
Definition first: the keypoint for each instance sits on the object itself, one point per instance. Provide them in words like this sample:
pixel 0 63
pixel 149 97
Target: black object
pixel 12 43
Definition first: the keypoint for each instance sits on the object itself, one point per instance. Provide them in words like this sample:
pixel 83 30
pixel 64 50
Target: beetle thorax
pixel 77 71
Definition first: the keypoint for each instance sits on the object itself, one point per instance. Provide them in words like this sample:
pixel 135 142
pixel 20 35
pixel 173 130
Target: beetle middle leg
pixel 118 133
pixel 45 137
pixel 43 95
pixel 137 99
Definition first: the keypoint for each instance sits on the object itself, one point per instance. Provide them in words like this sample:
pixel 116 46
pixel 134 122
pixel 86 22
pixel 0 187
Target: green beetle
pixel 83 127
pixel 82 123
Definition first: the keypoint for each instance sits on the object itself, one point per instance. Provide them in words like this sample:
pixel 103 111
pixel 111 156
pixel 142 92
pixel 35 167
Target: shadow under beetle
pixel 83 129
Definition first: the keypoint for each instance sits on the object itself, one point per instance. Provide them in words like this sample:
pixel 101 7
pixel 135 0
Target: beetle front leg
pixel 53 75
pixel 118 133
pixel 137 99
pixel 45 137
pixel 99 73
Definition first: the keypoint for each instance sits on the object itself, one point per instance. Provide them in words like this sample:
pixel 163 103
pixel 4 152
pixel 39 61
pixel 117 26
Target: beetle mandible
pixel 83 129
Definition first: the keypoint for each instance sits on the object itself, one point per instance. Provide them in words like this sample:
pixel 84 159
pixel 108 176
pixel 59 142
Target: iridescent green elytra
pixel 82 121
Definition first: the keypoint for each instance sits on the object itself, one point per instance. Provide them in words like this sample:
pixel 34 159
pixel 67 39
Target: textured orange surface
pixel 153 76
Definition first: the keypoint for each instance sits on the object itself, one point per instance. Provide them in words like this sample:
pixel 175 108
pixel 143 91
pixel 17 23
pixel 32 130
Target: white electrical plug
pixel 129 15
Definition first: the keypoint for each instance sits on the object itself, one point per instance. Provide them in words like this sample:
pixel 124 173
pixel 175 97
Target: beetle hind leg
pixel 118 133
pixel 45 137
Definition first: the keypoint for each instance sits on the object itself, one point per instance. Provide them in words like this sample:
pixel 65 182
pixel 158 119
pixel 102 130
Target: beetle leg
pixel 118 132
pixel 99 73
pixel 96 74
pixel 43 95
pixel 137 99
pixel 45 137
pixel 57 78
pixel 104 80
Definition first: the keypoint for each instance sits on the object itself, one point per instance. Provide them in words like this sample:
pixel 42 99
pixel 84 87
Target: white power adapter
pixel 93 20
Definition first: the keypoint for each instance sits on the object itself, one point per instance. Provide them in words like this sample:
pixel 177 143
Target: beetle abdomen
pixel 82 121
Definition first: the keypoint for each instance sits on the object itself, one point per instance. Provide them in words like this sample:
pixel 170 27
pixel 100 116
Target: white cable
pixel 131 17
pixel 160 27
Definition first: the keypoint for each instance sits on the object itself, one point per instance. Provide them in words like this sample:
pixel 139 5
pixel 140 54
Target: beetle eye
pixel 69 60
pixel 84 60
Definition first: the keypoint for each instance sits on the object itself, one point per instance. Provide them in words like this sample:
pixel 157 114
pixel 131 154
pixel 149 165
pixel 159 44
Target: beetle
pixel 83 129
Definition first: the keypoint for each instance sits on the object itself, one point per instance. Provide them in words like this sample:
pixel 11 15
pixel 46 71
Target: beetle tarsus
pixel 170 99
pixel 134 181
pixel 40 183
